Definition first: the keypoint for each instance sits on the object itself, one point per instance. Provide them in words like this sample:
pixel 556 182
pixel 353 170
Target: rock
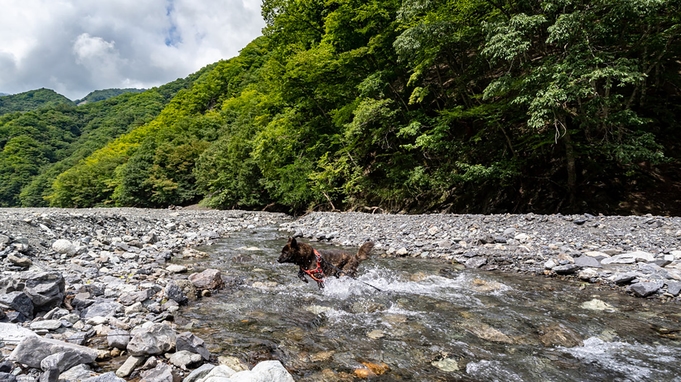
pixel 596 304
pixel 184 359
pixel 587 262
pixel 130 364
pixel 23 262
pixel 7 377
pixel 118 338
pixel 446 364
pixel 629 258
pixel 13 334
pixel 596 254
pixel 18 301
pixel 63 361
pixel 199 373
pixel 76 374
pixel 646 288
pixel 219 373
pixel 152 339
pixel 624 278
pixel 176 268
pixel 475 262
pixel 103 309
pixel 46 290
pixel 188 341
pixel 208 279
pixel 402 252
pixel 587 274
pixel 175 293
pixel 487 332
pixel 233 363
pixel 558 335
pixel 566 269
pixel 673 287
pixel 33 349
pixel 161 373
pixel 65 247
pixel 46 325
pixel 106 377
pixel 265 371
pixel 549 264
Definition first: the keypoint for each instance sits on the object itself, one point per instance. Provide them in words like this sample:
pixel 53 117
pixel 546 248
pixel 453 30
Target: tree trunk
pixel 571 167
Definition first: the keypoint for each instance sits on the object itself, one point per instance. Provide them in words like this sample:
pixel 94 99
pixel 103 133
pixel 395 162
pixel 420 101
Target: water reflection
pixel 430 321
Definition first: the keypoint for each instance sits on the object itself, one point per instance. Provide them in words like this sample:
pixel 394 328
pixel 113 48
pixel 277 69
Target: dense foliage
pixel 414 105
pixel 32 100
pixel 101 95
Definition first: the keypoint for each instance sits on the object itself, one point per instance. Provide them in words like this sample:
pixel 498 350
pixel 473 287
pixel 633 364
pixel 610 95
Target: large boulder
pixel 45 289
pixel 151 339
pixel 32 350
pixel 19 302
pixel 208 279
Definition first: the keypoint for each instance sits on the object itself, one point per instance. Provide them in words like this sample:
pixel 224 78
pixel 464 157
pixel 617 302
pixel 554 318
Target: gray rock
pixel 646 288
pixel 46 325
pixel 106 377
pixel 673 287
pixel 130 364
pixel 265 371
pixel 46 290
pixel 624 278
pixel 76 374
pixel 18 301
pixel 188 341
pixel 208 279
pixel 128 299
pixel 185 359
pixel 151 339
pixel 629 258
pixel 49 375
pixel 33 349
pixel 103 309
pixel 175 293
pixel 13 334
pixel 587 262
pixel 475 262
pixel 118 338
pixel 23 262
pixel 199 373
pixel 161 373
pixel 566 269
pixel 64 246
pixel 63 361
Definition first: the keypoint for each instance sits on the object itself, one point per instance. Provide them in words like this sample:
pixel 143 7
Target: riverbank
pixel 94 281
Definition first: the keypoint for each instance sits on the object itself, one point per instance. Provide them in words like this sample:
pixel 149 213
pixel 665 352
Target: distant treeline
pixel 415 105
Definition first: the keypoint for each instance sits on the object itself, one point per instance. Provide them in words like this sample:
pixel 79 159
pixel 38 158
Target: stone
pixel 45 289
pixel 629 258
pixel 189 341
pixel 151 339
pixel 106 377
pixel 46 325
pixel 62 361
pixel 487 332
pixel 65 247
pixel 219 372
pixel 624 278
pixel 599 305
pixel 446 364
pixel 587 274
pixel 185 359
pixel 176 268
pixel 673 287
pixel 130 364
pixel 76 374
pixel 199 373
pixel 208 279
pixel 566 269
pixel 33 349
pixel 475 262
pixel 233 363
pixel 558 335
pixel 549 264
pixel 161 373
pixel 118 338
pixel 646 288
pixel 13 334
pixel 175 293
pixel 596 254
pixel 23 262
pixel 587 262
pixel 265 371
pixel 402 252
pixel 18 301
pixel 103 309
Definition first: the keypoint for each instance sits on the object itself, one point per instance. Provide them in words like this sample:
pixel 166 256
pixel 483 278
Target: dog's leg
pixel 320 284
pixel 301 275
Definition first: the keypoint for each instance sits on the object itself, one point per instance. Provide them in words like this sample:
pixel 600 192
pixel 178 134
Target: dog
pixel 319 264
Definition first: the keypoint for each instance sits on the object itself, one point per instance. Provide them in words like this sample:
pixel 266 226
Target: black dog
pixel 319 264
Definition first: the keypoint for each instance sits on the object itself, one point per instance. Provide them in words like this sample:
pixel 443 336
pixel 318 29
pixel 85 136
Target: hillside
pixel 457 106
pixel 32 100
pixel 101 95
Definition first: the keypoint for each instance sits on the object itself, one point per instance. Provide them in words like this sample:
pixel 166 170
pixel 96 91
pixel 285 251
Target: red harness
pixel 317 274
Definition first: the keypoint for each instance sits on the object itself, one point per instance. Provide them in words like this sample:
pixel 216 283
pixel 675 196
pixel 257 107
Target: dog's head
pixel 289 252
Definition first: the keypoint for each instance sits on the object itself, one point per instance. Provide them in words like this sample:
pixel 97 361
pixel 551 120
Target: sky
pixel 77 46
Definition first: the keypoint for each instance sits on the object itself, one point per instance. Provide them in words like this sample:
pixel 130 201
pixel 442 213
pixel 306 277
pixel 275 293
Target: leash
pixel 316 274
pixel 338 270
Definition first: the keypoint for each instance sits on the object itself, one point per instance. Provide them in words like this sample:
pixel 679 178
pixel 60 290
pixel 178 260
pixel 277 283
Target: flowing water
pixel 407 319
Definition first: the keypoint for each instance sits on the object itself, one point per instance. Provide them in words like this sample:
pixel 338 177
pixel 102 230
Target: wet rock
pixel 596 304
pixel 151 339
pixel 559 335
pixel 487 332
pixel 446 364
pixel 208 279
pixel 646 288
pixel 185 359
pixel 188 341
pixel 46 290
pixel 235 363
pixel 33 349
pixel 161 373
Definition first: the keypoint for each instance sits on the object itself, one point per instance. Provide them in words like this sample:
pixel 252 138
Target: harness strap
pixel 317 274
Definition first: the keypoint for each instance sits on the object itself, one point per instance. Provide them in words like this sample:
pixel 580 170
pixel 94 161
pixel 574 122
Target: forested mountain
pixel 32 100
pixel 101 95
pixel 414 105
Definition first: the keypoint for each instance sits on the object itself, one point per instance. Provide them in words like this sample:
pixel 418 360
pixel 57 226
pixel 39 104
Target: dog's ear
pixel 293 242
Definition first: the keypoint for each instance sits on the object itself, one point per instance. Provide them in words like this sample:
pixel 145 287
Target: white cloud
pixel 76 46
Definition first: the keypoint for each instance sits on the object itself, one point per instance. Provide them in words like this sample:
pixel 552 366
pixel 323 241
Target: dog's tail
pixel 363 252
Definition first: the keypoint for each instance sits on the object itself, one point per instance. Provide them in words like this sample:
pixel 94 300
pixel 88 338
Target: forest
pixel 413 106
